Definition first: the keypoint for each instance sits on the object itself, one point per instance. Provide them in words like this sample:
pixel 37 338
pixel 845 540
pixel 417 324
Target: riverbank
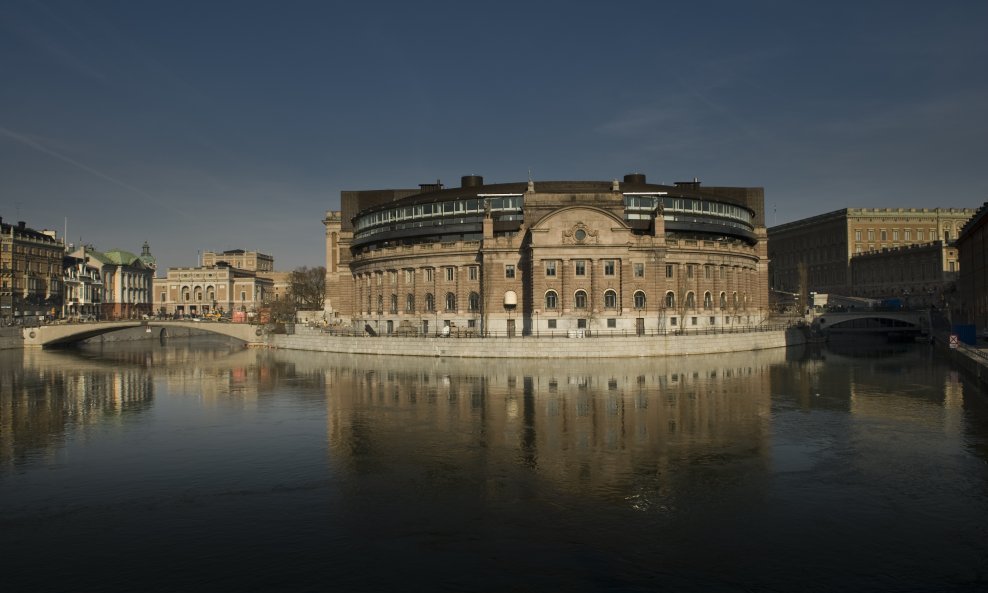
pixel 688 344
pixel 972 359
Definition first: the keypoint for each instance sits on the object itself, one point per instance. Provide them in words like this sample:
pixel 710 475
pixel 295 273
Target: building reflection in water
pixel 45 394
pixel 610 427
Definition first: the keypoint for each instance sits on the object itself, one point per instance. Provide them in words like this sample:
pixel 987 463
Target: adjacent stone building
pixel 30 272
pixel 252 261
pixel 568 256
pixel 127 282
pixel 814 254
pixel 919 276
pixel 83 282
pixel 202 290
pixel 972 247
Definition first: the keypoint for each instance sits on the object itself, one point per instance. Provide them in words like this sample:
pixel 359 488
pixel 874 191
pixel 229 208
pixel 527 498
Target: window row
pixel 449 303
pixel 580 300
pixel 476 206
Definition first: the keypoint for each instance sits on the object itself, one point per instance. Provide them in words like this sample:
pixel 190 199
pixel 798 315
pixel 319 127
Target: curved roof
pixel 632 183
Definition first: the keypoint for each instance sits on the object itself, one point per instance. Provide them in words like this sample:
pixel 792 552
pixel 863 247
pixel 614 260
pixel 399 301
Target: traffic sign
pixel 954 340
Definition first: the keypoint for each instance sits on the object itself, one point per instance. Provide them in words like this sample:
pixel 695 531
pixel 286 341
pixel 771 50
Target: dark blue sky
pixel 221 125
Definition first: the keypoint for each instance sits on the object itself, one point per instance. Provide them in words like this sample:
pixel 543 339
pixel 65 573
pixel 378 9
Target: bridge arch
pixel 53 335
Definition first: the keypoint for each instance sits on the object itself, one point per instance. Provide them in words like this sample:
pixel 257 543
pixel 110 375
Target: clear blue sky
pixel 220 125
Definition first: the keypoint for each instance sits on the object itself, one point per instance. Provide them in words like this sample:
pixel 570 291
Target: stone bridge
pixel 891 323
pixel 51 335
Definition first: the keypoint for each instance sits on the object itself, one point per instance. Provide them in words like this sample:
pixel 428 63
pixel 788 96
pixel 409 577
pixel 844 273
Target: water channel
pixel 197 465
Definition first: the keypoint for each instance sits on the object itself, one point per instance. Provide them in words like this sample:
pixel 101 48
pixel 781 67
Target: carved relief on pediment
pixel 580 234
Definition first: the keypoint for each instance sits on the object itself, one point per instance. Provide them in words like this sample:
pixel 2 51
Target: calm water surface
pixel 199 466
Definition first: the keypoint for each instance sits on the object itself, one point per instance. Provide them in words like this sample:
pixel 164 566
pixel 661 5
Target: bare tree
pixel 307 288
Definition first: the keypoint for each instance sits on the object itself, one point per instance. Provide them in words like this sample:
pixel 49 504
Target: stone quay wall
pixel 540 347
pixel 10 337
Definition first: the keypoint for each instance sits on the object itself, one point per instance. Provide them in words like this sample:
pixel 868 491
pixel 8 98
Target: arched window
pixel 581 299
pixel 735 300
pixel 639 300
pixel 690 300
pixel 708 301
pixel 430 302
pixel 551 300
pixel 474 303
pixel 394 303
pixel 670 299
pixel 409 303
pixel 185 293
pixel 198 294
pixel 723 300
pixel 450 301
pixel 610 299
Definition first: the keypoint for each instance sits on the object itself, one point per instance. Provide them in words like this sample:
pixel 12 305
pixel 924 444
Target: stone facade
pixel 30 272
pixel 127 280
pixel 253 261
pixel 972 246
pixel 523 259
pixel 202 290
pixel 920 276
pixel 820 248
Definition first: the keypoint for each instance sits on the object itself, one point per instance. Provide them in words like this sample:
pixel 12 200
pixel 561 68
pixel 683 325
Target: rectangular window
pixel 692 320
pixel 919 234
pixel 243 295
pixel 713 321
pixel 550 268
pixel 909 234
pixel 581 323
pixel 608 267
pixel 668 270
pixel 612 323
pixel 885 235
pixel 707 272
pixel 581 267
pixel 394 277
pixel 551 324
pixel 951 266
pixel 474 272
pixel 673 321
pixel 871 234
pixel 639 270
pixel 689 271
pixel 162 294
pixel 428 274
pixel 449 274
pixel 857 235
pixel 895 234
pixel 409 276
pixel 509 270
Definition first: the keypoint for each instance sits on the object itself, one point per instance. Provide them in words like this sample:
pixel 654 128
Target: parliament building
pixel 543 258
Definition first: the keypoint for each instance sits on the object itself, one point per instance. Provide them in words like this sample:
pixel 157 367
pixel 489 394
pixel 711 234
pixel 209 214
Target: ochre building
pixel 814 254
pixel 544 257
